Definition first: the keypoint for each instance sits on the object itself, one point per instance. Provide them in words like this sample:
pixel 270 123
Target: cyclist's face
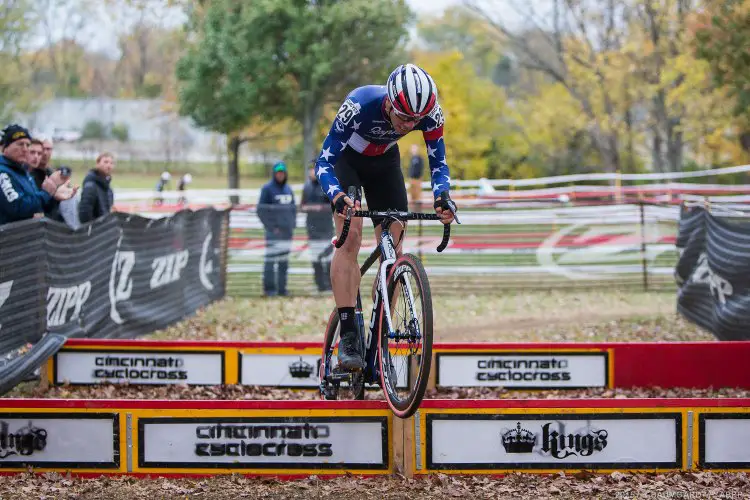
pixel 401 125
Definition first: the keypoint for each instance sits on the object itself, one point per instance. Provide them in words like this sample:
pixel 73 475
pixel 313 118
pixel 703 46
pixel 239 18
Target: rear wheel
pixel 337 383
pixel 406 352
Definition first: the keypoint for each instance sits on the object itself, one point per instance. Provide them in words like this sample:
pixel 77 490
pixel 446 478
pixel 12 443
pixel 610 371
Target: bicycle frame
pixel 387 251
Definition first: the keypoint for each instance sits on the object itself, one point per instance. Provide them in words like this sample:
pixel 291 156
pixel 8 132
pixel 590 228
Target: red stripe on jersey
pixel 375 149
pixel 433 134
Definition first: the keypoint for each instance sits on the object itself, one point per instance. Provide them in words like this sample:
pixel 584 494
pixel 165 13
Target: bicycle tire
pixel 405 407
pixel 331 328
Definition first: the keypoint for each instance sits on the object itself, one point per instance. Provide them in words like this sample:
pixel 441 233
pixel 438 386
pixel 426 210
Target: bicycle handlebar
pixel 394 214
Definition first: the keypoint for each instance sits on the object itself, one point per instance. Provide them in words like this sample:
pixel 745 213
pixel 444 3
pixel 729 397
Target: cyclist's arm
pixel 333 145
pixel 432 131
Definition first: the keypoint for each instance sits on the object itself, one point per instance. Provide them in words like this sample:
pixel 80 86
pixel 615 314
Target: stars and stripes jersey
pixel 361 124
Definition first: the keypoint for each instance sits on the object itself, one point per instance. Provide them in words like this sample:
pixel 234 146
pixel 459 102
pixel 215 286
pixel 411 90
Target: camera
pixel 65 170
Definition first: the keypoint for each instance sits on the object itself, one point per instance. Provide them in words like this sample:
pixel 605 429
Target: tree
pixel 554 131
pixel 577 39
pixel 149 56
pixel 476 115
pixel 463 30
pixel 722 35
pixel 278 59
pixel 628 66
pixel 213 89
pixel 15 20
pixel 61 63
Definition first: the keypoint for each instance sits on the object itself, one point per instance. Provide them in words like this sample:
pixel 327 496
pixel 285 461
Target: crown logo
pixel 518 440
pixel 300 369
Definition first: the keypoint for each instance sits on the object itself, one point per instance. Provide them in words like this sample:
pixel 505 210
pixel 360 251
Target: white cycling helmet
pixel 411 90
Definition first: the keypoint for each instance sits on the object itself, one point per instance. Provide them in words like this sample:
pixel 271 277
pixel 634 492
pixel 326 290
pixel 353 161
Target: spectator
pixel 46 161
pixel 416 170
pixel 20 198
pixel 277 212
pixel 182 186
pixel 319 225
pixel 163 181
pixel 36 150
pixel 97 197
pixel 38 172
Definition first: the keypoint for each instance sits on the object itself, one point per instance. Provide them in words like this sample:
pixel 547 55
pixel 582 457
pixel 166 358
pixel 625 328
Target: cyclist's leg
pixel 385 189
pixel 345 276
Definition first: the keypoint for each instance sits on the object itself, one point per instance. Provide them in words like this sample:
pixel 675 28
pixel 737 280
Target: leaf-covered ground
pixel 615 486
pixel 599 315
pixel 238 392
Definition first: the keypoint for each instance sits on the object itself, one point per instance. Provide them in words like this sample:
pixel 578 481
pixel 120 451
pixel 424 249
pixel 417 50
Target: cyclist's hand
pixel 341 202
pixel 445 208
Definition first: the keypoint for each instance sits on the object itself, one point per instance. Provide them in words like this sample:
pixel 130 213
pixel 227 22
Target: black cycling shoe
pixel 351 356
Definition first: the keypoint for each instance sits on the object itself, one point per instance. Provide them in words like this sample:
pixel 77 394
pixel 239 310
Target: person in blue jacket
pixel 277 212
pixel 20 198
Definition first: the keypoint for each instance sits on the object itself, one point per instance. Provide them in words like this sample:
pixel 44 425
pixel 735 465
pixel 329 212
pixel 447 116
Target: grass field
pixel 131 180
pixel 512 255
pixel 144 174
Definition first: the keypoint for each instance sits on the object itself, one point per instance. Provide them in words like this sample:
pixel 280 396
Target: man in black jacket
pixel 319 229
pixel 97 197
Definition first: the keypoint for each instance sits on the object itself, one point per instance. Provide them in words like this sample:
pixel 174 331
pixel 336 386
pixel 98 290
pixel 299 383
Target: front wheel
pixel 406 351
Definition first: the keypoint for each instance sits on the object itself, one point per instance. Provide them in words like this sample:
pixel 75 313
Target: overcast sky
pixel 103 28
pixel 431 5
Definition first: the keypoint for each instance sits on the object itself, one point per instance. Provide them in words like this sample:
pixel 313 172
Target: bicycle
pixel 393 280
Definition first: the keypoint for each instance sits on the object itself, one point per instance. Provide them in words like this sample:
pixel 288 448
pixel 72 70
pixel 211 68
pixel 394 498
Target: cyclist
pixel 360 150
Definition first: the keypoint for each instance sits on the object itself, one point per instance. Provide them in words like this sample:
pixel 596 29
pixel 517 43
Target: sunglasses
pixel 406 118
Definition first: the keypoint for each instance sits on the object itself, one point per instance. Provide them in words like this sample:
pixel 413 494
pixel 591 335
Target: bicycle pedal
pixel 339 375
pixel 329 393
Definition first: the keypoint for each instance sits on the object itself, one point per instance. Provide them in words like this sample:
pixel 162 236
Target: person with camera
pixel 39 169
pixel 20 198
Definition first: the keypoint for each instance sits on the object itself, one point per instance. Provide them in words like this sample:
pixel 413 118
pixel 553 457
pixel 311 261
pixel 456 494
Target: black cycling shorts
pixel 380 178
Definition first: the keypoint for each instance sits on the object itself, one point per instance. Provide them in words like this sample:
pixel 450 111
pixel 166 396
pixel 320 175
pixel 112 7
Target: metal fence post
pixel 644 261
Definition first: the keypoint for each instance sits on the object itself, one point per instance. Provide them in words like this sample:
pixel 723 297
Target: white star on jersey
pixel 435 170
pixel 326 154
pixel 444 162
pixel 431 151
pixel 356 125
pixel 332 189
pixel 343 145
pixel 436 188
pixel 321 170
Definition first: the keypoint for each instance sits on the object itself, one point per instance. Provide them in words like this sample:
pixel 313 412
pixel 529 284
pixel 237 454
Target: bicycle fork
pixel 372 342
